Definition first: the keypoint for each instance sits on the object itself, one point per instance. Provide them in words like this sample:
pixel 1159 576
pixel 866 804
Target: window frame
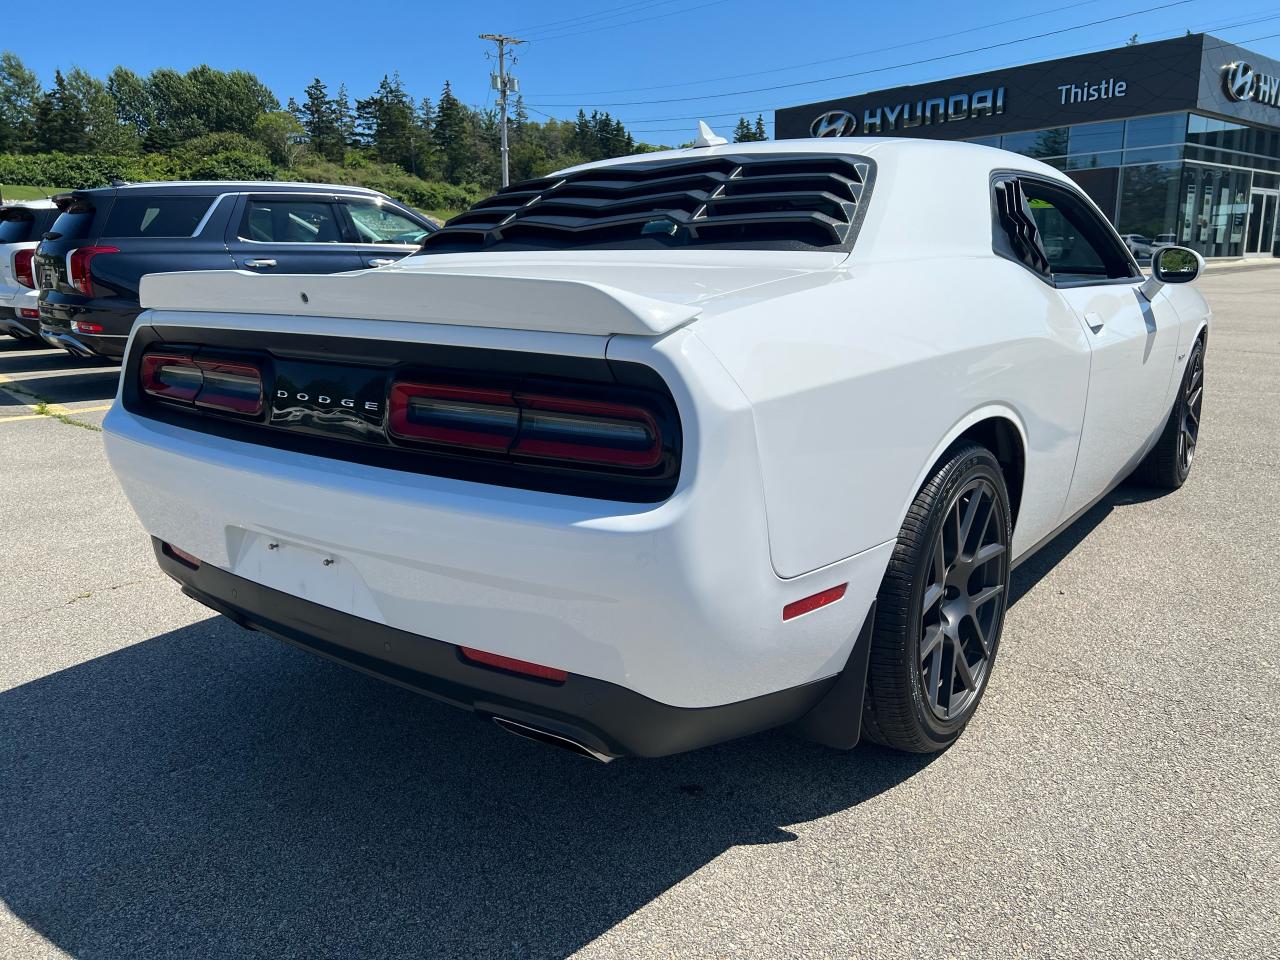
pixel 1002 246
pixel 211 202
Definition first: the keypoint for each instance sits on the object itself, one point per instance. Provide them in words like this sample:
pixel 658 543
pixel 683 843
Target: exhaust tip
pixel 551 739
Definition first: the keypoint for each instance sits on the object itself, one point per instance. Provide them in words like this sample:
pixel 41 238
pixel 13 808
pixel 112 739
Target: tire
pixel 1168 464
pixel 941 604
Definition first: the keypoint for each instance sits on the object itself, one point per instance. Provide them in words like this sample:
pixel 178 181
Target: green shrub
pixel 83 171
pixel 231 165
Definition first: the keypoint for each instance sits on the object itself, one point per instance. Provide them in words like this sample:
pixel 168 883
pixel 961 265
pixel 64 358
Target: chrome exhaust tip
pixel 551 739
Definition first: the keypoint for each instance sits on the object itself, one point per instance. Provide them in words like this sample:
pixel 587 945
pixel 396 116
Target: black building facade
pixel 1177 141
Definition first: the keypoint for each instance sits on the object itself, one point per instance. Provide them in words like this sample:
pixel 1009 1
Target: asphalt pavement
pixel 171 785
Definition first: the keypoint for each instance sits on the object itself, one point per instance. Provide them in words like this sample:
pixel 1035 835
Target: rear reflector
pixel 182 556
pixel 211 384
pixel 23 269
pixel 30 313
pixel 809 604
pixel 514 665
pixel 530 425
pixel 83 326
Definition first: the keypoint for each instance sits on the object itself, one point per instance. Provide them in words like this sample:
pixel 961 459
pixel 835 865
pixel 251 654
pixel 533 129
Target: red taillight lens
pixel 514 665
pixel 213 384
pixel 530 425
pixel 83 326
pixel 29 313
pixel 78 261
pixel 24 269
pixel 587 431
pixel 460 416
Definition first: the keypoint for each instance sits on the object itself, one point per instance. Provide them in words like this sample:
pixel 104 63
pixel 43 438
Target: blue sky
pixel 656 64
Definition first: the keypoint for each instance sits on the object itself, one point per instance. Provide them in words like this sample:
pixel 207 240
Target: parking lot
pixel 171 785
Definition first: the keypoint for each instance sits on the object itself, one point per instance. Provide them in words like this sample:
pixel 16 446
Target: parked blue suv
pixel 89 263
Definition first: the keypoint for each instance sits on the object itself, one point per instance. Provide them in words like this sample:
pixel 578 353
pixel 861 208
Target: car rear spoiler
pixel 471 300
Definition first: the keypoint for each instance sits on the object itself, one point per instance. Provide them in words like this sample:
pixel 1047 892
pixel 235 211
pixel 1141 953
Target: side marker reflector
pixel 798 608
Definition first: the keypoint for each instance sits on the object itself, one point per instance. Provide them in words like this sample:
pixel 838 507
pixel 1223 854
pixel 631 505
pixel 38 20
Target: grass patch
pixel 10 192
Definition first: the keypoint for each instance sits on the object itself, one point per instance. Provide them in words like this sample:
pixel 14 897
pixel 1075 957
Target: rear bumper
pixel 59 314
pixel 606 717
pixel 83 345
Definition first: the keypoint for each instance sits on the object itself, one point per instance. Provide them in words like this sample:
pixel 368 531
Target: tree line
pixel 230 125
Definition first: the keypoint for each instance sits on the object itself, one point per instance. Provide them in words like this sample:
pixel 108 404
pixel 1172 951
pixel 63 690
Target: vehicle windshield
pixel 766 201
pixel 16 225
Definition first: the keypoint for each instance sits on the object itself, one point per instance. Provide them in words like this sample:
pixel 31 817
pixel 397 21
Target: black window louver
pixel 795 200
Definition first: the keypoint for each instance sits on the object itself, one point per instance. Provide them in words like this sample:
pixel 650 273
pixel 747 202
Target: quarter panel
pixel 857 387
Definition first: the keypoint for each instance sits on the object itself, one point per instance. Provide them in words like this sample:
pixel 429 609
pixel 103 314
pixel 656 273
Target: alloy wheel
pixel 1192 399
pixel 964 599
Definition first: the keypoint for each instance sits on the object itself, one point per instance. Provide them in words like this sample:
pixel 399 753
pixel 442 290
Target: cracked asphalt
pixel 171 785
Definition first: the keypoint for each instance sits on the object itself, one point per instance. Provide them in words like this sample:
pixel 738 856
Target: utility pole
pixel 505 84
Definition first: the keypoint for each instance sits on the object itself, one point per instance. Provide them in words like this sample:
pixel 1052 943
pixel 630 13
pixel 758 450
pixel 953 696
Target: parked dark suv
pixel 104 240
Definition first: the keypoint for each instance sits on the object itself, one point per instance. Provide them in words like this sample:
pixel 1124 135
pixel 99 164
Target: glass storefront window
pixel 987 141
pixel 1215 208
pixel 1156 131
pixel 1037 143
pixel 1095 137
pixel 1149 198
pixel 1154 154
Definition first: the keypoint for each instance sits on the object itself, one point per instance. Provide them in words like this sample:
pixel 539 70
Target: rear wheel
pixel 1169 462
pixel 941 606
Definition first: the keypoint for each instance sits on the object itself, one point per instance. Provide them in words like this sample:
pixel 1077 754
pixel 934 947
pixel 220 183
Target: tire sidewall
pixel 977 464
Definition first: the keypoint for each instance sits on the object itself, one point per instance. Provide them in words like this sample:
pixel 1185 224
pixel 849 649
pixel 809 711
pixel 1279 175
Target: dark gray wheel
pixel 941 606
pixel 1169 462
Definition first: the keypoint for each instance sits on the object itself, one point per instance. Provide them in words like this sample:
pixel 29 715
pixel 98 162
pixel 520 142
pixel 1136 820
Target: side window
pixel 376 223
pixel 290 221
pixel 1056 234
pixel 134 216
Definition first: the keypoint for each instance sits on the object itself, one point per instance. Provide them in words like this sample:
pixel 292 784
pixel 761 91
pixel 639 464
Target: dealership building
pixel 1177 141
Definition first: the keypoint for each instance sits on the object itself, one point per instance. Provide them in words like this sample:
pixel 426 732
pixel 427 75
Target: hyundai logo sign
pixel 1242 83
pixel 834 123
pixel 903 116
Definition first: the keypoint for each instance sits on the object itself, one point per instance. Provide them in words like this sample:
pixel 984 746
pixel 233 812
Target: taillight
pixel 24 269
pixel 84 326
pixel 29 313
pixel 78 261
pixel 213 384
pixel 527 425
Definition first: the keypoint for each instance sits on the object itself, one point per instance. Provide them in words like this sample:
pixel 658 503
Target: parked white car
pixel 660 451
pixel 1139 245
pixel 22 224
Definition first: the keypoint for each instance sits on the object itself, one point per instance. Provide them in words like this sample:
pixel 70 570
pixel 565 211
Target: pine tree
pixel 742 132
pixel 344 117
pixel 451 137
pixel 20 98
pixel 760 133
pixel 319 117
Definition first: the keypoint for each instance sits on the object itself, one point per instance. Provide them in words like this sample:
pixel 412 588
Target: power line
pixel 623 10
pixel 737 113
pixel 814 63
pixel 627 23
pixel 911 63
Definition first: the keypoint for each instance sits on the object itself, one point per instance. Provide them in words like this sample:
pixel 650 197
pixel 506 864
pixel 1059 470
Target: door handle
pixel 251 262
pixel 1095 322
pixel 381 261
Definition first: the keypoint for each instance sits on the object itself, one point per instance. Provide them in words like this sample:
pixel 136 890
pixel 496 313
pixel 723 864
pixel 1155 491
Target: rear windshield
pixel 20 224
pixel 774 201
pixel 134 216
pixel 75 223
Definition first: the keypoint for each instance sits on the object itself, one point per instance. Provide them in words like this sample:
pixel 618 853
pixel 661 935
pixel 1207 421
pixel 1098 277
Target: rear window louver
pixel 806 199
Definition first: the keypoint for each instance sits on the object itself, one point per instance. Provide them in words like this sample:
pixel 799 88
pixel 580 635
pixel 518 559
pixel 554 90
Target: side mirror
pixel 1171 265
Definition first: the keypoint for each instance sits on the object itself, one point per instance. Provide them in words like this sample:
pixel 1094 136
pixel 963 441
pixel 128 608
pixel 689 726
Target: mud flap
pixel 836 719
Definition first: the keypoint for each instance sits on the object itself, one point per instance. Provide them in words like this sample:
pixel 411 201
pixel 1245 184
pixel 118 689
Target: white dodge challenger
pixel 656 452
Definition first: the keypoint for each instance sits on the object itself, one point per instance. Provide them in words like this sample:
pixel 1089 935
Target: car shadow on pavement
pixel 212 792
pixel 91 385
